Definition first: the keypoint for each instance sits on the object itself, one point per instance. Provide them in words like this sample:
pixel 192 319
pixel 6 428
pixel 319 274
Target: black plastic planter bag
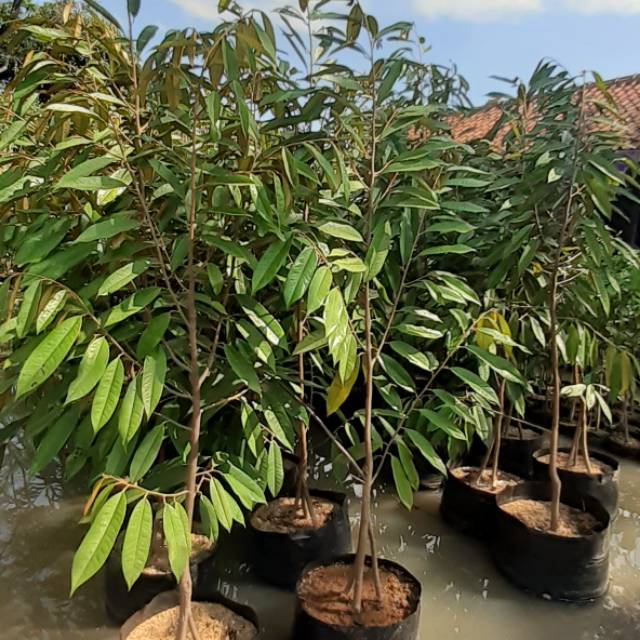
pixel 279 558
pixel 572 569
pixel 603 488
pixel 516 454
pixel 466 507
pixel 306 627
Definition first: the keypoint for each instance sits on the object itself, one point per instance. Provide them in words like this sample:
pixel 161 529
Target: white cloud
pixel 208 9
pixel 477 10
pixel 605 6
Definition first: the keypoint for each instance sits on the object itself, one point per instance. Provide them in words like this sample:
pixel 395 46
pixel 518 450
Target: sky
pixel 483 38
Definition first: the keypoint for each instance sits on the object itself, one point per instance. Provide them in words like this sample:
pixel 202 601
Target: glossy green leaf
pixel 99 540
pixel 242 368
pixel 48 355
pixel 92 366
pixel 146 453
pixel 153 377
pixel 28 309
pixel 299 276
pixel 403 486
pixel 341 230
pixel 269 265
pixel 427 450
pixel 50 310
pixel 319 288
pixel 175 525
pixel 123 276
pixel 54 439
pixel 107 395
pixel 153 334
pixel 476 383
pixel 137 542
pixel 131 412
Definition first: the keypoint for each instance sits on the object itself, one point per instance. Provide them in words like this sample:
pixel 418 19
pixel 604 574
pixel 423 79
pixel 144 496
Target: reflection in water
pixel 463 595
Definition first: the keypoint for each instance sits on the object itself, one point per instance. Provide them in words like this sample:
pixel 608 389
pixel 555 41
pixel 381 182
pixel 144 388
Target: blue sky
pixel 483 37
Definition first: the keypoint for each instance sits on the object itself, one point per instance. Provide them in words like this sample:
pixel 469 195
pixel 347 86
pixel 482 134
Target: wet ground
pixel 463 595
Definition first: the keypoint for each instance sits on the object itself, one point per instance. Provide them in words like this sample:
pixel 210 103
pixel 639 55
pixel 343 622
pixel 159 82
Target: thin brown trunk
pixel 498 430
pixel 584 439
pixel 486 459
pixel 374 563
pixel 365 510
pixel 185 586
pixel 575 445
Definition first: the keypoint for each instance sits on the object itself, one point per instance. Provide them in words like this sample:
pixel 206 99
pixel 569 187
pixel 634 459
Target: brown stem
pixel 487 458
pixel 498 431
pixel 584 440
pixel 375 569
pixel 573 455
pixel 186 586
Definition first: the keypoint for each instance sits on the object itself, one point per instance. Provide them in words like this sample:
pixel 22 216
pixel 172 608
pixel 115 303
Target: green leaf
pixel 81 178
pixel 397 372
pixel 92 367
pixel 107 228
pixel 500 365
pixel 223 503
pixel 450 226
pixel 419 331
pixel 341 230
pixel 319 288
pixel 416 357
pixel 137 542
pixel 446 249
pixel 208 517
pixel 245 487
pixel 153 334
pixel 427 450
pixel 175 525
pixel 300 276
pixel 99 540
pixel 146 453
pixel 242 368
pixel 153 376
pixel 131 412
pixel 216 279
pixel 50 310
pixel 123 276
pixel 339 390
pixel 476 383
pixel 146 35
pixel 48 356
pixel 269 265
pixel 107 394
pixel 98 8
pixel 443 423
pixel 55 438
pixel 28 309
pixel 133 6
pixel 131 305
pixel 311 342
pixel 275 469
pixel 264 321
pixel 403 487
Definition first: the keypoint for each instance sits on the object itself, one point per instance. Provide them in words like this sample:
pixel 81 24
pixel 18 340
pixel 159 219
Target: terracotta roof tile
pixel 624 91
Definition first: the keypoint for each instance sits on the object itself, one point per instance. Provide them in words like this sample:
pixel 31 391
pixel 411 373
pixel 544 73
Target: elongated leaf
pixel 146 453
pixel 245 487
pixel 50 310
pixel 341 230
pixel 123 276
pixel 242 368
pixel 476 383
pixel 208 518
pixel 300 276
pixel 223 504
pixel 397 372
pixel 137 542
pixel 92 367
pixel 403 486
pixel 153 376
pixel 339 391
pixel 80 177
pixel 131 412
pixel 107 394
pixel 107 228
pixel 427 450
pixel 443 423
pixel 319 288
pixel 269 265
pixel 28 309
pixel 175 525
pixel 153 334
pixel 500 365
pixel 416 357
pixel 99 540
pixel 54 439
pixel 275 469
pixel 133 304
pixel 48 356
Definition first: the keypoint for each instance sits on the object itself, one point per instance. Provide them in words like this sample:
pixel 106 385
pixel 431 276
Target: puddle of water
pixel 463 595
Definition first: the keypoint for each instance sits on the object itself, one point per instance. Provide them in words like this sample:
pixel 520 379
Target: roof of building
pixel 479 123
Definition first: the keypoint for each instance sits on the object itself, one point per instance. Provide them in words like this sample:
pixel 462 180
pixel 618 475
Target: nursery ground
pixel 463 595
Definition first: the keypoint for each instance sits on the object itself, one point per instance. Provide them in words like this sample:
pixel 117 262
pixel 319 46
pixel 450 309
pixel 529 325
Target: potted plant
pixel 545 533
